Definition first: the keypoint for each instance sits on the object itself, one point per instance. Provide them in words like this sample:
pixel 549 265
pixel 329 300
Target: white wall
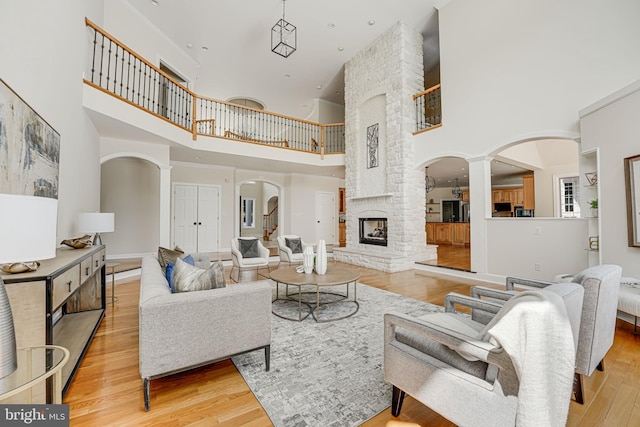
pixel 615 129
pixel 43 64
pixel 518 71
pixel 131 189
pixel 125 23
pixel 516 246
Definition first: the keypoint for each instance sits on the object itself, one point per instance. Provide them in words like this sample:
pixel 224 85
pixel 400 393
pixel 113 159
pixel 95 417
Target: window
pixel 248 213
pixel 569 198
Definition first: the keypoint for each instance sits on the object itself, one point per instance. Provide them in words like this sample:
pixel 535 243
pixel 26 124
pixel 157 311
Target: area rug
pixel 328 374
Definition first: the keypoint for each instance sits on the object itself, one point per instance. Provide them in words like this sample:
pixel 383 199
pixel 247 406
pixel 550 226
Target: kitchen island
pixel 448 233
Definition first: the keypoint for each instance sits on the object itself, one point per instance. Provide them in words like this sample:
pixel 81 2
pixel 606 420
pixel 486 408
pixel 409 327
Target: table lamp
pixel 96 222
pixel 28 233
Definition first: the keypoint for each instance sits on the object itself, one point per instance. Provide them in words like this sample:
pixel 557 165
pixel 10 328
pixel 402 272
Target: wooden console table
pixel 62 304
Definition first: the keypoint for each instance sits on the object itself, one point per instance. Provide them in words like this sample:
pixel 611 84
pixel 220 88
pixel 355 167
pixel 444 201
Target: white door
pixel 208 208
pixel 185 217
pixel 196 217
pixel 326 217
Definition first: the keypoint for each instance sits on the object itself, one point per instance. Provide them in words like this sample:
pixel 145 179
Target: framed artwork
pixel 29 149
pixel 372 146
pixel 632 178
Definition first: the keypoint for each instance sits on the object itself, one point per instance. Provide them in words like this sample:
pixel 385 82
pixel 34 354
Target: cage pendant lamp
pixel 456 191
pixel 283 36
pixel 429 181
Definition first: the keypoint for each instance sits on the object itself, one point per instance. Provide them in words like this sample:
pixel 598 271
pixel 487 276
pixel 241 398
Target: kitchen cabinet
pixel 497 195
pixel 430 229
pixel 62 303
pixel 461 233
pixel 529 201
pixel 465 195
pixel 342 234
pixel 518 196
pixel 443 233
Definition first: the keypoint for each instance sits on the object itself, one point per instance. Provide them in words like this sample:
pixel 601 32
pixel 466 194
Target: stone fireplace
pixel 384 188
pixel 373 231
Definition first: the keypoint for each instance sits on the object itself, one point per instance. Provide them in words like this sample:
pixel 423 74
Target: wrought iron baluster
pixel 93 61
pixel 101 61
pixel 108 64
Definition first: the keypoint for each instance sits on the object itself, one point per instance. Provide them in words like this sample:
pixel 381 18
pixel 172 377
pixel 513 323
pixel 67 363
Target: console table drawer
pixel 64 285
pixel 86 269
pixel 98 260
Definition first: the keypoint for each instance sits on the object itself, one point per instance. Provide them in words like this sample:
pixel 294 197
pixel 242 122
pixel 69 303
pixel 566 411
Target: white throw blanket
pixel 535 331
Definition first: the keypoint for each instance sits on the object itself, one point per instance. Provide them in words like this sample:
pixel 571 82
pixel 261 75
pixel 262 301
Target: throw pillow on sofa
pixel 166 256
pixel 171 268
pixel 294 244
pixel 187 278
pixel 249 248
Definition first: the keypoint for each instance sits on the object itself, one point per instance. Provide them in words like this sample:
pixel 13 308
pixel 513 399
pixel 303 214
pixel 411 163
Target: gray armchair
pixel 479 375
pixel 598 320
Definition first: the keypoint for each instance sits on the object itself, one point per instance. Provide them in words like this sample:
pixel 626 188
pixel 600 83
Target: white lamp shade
pixel 27 228
pixel 96 222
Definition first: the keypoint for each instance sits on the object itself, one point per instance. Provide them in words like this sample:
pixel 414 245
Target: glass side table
pixel 35 365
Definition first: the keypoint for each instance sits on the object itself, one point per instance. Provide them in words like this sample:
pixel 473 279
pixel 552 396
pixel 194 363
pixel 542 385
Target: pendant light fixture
pixel 429 181
pixel 456 191
pixel 283 37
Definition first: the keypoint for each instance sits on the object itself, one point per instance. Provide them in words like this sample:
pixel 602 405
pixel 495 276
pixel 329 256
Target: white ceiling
pixel 239 61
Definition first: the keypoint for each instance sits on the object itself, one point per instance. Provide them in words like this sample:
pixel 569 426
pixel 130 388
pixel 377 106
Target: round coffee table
pixel 335 276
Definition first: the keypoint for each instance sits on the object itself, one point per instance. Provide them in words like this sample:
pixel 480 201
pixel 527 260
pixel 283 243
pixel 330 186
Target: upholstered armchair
pixel 480 375
pixel 286 247
pixel 598 320
pixel 248 253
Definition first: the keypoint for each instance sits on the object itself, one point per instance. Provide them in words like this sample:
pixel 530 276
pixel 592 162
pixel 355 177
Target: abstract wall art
pixel 29 149
pixel 372 146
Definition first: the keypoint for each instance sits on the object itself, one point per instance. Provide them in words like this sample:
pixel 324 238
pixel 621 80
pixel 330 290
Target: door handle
pixel 199 223
pixel 318 222
pixel 195 223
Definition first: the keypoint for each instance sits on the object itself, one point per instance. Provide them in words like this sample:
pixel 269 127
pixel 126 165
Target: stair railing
pixel 428 109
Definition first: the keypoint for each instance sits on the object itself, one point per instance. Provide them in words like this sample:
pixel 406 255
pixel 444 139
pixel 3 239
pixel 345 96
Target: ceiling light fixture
pixel 429 181
pixel 340 48
pixel 155 2
pixel 283 37
pixel 456 191
pixel 372 22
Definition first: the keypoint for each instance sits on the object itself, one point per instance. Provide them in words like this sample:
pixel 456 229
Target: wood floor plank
pixel 107 389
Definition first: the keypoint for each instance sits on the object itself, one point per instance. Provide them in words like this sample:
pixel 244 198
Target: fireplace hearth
pixel 373 231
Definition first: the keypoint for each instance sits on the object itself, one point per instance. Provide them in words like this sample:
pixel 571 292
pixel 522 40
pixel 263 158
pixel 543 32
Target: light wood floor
pixel 107 389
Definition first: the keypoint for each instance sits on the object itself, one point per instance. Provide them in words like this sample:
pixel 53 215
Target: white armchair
pixel 248 253
pixel 286 253
pixel 489 375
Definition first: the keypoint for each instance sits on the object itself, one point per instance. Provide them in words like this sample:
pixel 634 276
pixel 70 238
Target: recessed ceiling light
pixel 287 75
pixel 319 87
pixel 155 2
pixel 372 22
pixel 331 25
pixel 189 45
pixel 338 93
pixel 205 48
pixel 340 48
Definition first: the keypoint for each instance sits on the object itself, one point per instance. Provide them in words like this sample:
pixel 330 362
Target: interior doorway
pixel 259 211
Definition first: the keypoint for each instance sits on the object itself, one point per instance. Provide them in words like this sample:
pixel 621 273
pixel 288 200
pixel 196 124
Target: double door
pixel 196 217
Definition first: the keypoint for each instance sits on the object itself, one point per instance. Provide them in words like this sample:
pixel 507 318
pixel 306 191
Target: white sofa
pixel 186 330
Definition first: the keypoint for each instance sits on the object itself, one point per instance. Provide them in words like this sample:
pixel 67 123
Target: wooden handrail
pixel 232 135
pixel 132 52
pixel 424 92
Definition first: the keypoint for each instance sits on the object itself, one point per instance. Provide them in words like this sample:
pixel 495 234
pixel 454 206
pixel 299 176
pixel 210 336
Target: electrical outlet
pixel 536 267
pixel 537 231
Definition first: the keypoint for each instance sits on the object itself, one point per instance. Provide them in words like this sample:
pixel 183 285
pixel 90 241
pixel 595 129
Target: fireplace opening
pixel 373 231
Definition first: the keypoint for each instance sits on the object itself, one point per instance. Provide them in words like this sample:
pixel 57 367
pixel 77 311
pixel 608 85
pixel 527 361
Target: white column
pixel 165 206
pixel 480 210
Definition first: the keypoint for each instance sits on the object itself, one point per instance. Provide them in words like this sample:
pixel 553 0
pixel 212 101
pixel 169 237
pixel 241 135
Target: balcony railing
pixel 119 71
pixel 428 109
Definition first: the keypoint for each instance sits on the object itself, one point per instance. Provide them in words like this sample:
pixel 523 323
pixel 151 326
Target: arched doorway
pixel 447 213
pixel 259 211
